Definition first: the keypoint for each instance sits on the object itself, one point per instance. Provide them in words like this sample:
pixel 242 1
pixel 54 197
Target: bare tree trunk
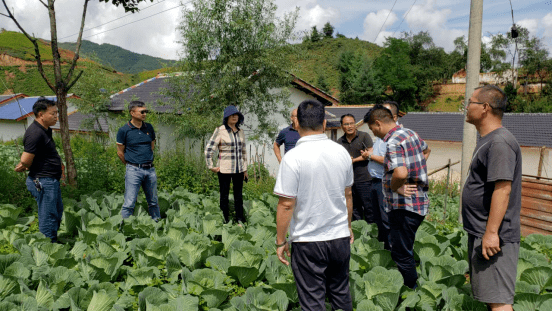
pixel 61 94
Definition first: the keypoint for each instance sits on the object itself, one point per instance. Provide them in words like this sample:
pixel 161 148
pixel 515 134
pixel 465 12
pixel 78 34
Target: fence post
pixel 446 191
pixel 541 160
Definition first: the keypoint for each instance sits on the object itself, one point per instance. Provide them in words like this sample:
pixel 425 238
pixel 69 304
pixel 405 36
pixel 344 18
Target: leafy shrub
pixel 12 184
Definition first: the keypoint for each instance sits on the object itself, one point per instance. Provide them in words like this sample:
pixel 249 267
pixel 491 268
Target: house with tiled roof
pixel 443 132
pixel 149 92
pixel 16 114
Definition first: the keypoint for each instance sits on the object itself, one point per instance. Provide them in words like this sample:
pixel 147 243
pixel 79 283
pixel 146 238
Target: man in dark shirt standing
pixel 135 143
pixel 287 137
pixel 44 164
pixel 491 202
pixel 355 142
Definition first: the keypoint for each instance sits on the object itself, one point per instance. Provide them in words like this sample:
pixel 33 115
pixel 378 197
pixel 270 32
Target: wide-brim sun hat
pixel 231 110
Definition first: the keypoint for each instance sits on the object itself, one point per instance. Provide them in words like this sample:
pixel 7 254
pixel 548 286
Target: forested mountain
pixel 118 58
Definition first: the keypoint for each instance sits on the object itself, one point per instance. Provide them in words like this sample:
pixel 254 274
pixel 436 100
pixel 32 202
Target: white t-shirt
pixel 316 173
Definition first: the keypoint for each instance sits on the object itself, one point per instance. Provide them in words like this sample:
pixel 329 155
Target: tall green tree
pixel 534 59
pixel 62 82
pixel 395 71
pixel 315 35
pixel 358 79
pixel 234 54
pixel 328 30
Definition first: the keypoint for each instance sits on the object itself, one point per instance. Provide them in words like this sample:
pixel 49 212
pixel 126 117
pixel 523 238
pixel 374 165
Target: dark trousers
pixel 224 183
pixel 403 225
pixel 362 204
pixel 322 268
pixel 47 194
pixel 380 215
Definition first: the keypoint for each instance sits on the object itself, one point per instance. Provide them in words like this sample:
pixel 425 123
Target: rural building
pixel 16 113
pixel 443 132
pixel 149 92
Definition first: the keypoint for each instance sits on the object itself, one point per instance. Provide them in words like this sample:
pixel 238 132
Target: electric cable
pixel 404 17
pixel 111 21
pixel 136 20
pixel 385 20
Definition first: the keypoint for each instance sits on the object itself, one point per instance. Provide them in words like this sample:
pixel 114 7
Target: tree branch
pixel 34 42
pixel 70 85
pixel 44 4
pixel 77 49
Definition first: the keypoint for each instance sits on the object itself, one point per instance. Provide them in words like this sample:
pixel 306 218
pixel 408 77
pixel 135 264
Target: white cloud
pixel 531 24
pixel 155 35
pixel 311 13
pixel 547 23
pixel 374 22
pixel 426 17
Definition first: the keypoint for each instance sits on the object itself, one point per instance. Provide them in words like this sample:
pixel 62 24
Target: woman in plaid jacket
pixel 229 140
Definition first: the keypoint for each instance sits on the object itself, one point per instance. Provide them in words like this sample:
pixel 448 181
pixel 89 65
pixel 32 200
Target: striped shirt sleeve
pixel 211 148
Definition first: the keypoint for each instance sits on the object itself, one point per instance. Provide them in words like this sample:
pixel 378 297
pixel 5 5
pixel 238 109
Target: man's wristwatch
pixel 370 157
pixel 280 245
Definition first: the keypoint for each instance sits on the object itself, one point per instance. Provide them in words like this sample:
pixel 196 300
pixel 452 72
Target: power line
pixel 137 20
pixel 111 21
pixel 385 21
pixel 404 17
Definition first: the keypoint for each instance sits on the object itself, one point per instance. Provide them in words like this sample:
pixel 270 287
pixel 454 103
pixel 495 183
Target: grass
pixel 17 45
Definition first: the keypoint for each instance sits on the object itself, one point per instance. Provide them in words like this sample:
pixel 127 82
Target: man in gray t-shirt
pixel 491 202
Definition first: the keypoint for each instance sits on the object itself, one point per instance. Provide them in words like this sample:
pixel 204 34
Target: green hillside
pixel 17 45
pixel 118 58
pixel 313 60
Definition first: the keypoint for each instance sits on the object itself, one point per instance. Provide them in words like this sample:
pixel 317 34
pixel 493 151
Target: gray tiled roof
pixel 358 112
pixel 76 120
pixel 530 129
pixel 147 92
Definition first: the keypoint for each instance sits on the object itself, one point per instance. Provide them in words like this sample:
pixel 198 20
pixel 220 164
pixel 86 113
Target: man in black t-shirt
pixel 44 164
pixel 355 141
pixel 491 202
pixel 135 144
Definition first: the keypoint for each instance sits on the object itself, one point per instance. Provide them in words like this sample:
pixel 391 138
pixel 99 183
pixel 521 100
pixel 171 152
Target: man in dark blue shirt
pixel 288 137
pixel 135 144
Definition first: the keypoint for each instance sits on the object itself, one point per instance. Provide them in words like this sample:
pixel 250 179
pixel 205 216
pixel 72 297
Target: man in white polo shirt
pixel 314 185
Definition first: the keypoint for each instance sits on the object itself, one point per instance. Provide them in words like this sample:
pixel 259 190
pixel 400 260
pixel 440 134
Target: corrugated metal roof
pixel 11 109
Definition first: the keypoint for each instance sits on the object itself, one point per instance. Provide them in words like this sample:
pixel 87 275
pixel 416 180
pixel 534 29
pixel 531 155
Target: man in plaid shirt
pixel 405 186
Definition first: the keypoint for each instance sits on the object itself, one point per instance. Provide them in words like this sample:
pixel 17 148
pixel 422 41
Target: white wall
pixel 10 130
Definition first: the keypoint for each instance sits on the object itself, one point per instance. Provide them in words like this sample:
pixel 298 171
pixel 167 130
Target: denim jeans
pixel 50 205
pixel 404 225
pixel 380 215
pixel 134 178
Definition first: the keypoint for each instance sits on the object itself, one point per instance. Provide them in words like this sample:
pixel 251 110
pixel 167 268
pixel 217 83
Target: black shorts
pixel 493 280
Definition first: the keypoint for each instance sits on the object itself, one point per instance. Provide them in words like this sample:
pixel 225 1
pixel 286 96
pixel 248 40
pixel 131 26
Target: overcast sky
pixel 153 31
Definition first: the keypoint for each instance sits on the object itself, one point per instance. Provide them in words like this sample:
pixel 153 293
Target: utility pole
pixel 469 139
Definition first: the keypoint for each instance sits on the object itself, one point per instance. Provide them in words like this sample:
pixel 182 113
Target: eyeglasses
pixel 143 111
pixel 480 103
pixel 348 124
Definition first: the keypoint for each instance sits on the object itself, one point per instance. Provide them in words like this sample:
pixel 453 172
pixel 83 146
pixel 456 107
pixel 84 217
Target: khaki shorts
pixel 493 280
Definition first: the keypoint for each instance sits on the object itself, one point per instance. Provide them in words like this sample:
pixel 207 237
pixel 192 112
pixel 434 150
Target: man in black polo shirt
pixel 355 142
pixel 44 164
pixel 288 137
pixel 135 143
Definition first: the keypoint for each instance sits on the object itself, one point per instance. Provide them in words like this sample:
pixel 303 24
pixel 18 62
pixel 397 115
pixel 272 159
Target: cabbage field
pixel 192 261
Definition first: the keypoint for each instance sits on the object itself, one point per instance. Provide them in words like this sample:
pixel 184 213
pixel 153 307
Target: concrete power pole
pixel 469 139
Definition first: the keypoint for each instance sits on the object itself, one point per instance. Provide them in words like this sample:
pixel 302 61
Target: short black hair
pixel 347 115
pixel 135 103
pixel 310 115
pixel 380 113
pixel 394 106
pixel 42 104
pixel 495 97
